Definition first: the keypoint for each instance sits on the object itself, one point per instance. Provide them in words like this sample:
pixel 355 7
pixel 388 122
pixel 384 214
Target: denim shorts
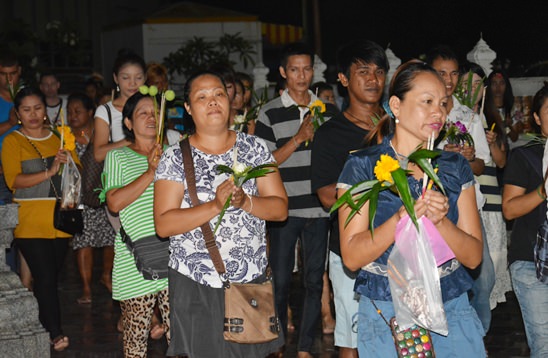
pixel 465 338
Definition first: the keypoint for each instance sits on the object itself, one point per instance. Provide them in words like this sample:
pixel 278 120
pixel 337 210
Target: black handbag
pixel 70 221
pixel 151 254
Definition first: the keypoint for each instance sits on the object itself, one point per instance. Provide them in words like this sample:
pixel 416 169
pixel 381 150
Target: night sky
pixel 517 33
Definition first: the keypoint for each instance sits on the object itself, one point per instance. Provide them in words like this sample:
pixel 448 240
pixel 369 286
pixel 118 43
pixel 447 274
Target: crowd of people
pixel 488 214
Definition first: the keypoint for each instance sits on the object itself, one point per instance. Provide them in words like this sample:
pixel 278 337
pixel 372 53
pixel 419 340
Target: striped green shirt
pixel 122 167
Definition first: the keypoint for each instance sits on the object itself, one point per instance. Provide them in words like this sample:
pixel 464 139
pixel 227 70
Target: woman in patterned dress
pixel 196 293
pixel 98 233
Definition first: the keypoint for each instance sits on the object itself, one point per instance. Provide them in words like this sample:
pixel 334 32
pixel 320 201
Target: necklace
pixel 368 125
pixel 402 159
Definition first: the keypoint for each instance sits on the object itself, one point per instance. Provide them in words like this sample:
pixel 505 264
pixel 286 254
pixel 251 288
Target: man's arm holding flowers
pixel 305 133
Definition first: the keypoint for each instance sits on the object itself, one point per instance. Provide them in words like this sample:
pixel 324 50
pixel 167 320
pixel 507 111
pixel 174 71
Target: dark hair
pixel 128 111
pixel 27 92
pixel 319 87
pixel 125 57
pixel 295 49
pixel 280 85
pixel 82 97
pixel 472 67
pixel 402 82
pixel 224 71
pixel 48 74
pixel 154 69
pixel 538 101
pixel 441 51
pixel 242 76
pixel 191 79
pixel 8 59
pixel 361 51
pixel 508 97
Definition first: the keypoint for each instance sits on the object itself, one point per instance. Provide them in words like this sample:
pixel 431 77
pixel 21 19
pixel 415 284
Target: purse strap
pixel 211 245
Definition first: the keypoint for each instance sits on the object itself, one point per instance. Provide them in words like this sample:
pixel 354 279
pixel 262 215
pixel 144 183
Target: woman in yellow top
pixel 31 159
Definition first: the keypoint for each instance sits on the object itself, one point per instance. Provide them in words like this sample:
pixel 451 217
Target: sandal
pixel 83 300
pixel 157 331
pixel 60 343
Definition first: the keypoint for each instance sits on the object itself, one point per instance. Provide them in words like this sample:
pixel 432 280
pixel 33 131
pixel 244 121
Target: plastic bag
pixel 71 185
pixel 414 278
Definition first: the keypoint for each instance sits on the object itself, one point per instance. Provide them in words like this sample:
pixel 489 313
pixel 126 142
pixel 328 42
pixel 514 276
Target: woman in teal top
pixel 129 191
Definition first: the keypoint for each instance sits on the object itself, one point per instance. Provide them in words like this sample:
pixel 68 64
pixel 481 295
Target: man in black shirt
pixel 362 66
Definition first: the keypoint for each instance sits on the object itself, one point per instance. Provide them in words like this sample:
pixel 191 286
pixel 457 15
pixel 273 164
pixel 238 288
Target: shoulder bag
pixel 151 254
pixel 250 314
pixel 91 172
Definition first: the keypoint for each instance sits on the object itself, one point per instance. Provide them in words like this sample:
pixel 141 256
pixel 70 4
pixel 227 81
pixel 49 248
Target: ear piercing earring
pixel 397 120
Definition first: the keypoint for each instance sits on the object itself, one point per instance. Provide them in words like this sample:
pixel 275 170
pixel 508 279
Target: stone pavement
pixel 93 334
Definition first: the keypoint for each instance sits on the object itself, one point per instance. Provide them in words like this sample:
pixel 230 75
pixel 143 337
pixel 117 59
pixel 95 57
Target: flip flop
pixel 157 331
pixel 83 300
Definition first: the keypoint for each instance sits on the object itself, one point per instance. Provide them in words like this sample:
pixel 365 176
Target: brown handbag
pixel 250 314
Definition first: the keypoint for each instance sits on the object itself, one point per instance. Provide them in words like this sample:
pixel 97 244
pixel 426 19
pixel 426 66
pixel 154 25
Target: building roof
pixel 193 12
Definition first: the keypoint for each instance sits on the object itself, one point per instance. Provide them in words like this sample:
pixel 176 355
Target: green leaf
pixel 361 200
pixel 227 203
pixel 373 201
pixel 400 178
pixel 220 168
pixel 420 157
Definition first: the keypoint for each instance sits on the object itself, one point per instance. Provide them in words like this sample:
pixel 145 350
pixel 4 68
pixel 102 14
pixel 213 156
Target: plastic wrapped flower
pixel 240 173
pixel 389 175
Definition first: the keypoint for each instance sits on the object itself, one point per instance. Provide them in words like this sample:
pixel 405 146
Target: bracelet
pixel 295 142
pixel 539 193
pixel 250 203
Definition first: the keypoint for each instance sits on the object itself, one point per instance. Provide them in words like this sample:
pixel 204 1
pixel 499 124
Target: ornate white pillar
pixel 482 55
pixel 260 71
pixel 319 69
pixel 394 62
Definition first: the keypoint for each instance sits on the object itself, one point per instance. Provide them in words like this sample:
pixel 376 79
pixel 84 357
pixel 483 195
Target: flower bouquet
pixel 12 90
pixel 168 95
pixel 464 92
pixel 389 175
pixel 240 173
pixel 456 133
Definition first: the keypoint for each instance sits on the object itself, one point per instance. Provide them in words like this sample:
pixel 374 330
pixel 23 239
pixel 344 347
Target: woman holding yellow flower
pixel 31 158
pixel 418 101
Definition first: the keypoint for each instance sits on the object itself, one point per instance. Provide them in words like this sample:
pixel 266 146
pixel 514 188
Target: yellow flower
pixel 69 141
pixel 318 103
pixel 384 168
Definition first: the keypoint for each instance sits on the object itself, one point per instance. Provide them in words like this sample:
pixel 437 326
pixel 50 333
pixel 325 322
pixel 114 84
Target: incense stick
pixel 429 146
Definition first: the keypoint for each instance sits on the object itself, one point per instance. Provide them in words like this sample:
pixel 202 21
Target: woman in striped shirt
pixel 129 191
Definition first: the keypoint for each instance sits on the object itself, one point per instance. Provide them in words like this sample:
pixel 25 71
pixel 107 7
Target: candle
pixel 62 126
pixel 161 120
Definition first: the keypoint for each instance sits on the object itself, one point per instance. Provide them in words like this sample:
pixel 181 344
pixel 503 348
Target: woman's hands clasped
pixel 434 205
pixel 223 192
